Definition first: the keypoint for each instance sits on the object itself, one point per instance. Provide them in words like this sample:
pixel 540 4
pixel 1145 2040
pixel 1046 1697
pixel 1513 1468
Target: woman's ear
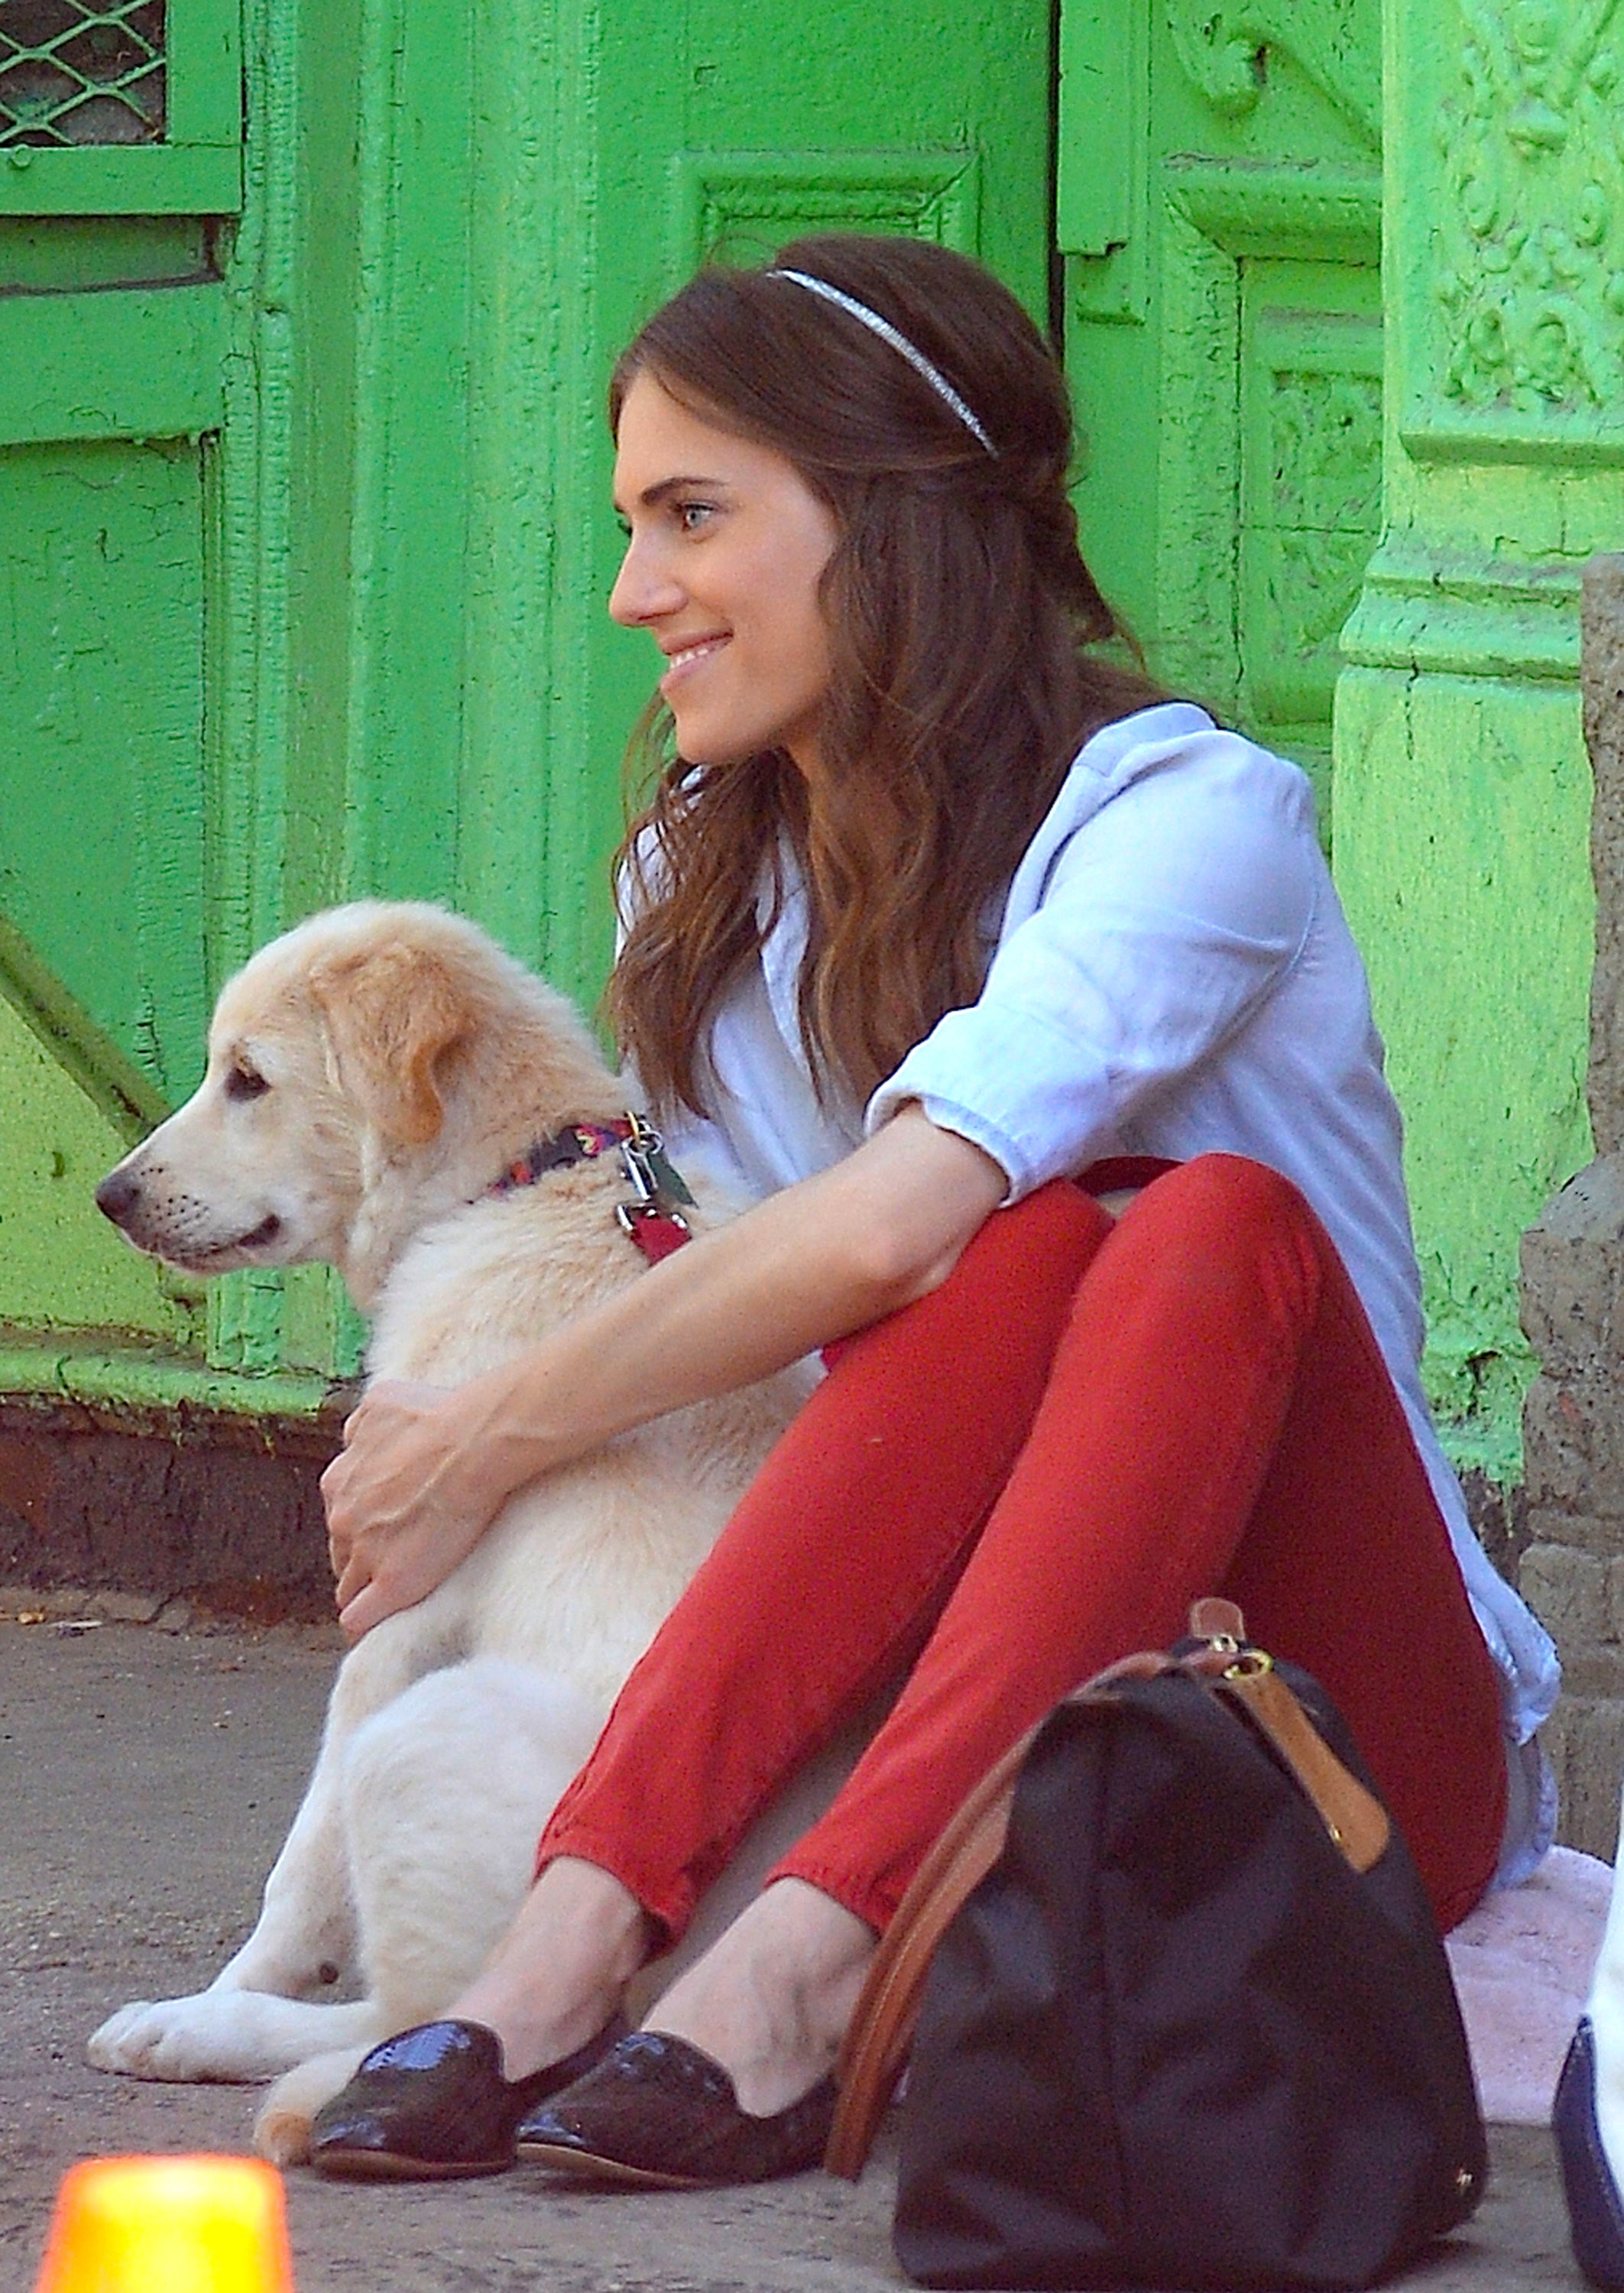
pixel 395 1015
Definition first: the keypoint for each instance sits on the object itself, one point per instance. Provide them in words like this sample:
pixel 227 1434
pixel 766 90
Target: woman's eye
pixel 245 1082
pixel 692 516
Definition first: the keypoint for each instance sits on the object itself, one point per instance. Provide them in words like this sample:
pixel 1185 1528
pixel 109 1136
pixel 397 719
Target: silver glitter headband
pixel 898 341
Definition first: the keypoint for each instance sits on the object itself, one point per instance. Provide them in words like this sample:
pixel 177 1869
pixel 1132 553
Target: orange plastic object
pixel 168 2225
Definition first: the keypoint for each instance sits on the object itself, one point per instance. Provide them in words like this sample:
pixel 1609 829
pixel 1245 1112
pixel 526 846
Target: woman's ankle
pixel 772 1998
pixel 558 1974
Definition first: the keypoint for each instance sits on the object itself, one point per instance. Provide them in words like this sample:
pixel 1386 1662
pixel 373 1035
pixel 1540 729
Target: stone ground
pixel 146 1778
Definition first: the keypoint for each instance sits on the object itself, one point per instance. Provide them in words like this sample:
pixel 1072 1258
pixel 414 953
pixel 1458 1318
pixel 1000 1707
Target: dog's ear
pixel 395 1015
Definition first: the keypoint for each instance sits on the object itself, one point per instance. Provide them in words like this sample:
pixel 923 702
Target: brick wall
pixel 1573 1569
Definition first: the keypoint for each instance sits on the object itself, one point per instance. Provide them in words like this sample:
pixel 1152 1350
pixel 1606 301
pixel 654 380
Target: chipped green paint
pixel 1463 809
pixel 101 853
pixel 1462 786
pixel 304 572
pixel 144 1385
pixel 303 553
pixel 63 1265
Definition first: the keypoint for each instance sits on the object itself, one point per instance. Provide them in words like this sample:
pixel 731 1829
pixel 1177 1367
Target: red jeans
pixel 1019 1478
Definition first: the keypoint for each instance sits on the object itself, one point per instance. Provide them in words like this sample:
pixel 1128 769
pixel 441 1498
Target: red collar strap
pixel 651 1217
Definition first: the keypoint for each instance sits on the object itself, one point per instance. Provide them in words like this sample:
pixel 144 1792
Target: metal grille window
pixel 120 107
pixel 73 75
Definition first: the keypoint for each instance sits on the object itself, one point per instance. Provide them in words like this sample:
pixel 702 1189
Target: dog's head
pixel 339 1062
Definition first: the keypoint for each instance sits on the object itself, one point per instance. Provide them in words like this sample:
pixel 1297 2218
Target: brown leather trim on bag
pixel 1216 1619
pixel 1354 1818
pixel 882 2025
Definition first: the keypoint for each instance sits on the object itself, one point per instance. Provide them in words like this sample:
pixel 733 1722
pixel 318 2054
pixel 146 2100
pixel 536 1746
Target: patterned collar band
pixel 899 343
pixel 650 1218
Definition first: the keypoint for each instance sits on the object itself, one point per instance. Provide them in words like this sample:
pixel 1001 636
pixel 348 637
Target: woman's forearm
pixel 801 1270
pixel 417 1485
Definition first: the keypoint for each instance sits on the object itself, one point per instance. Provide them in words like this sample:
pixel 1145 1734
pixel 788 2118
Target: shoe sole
pixel 586 2165
pixel 391 2166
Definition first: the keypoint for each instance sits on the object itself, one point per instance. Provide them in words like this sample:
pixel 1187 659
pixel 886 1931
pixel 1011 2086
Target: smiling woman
pixel 955 608
pixel 939 925
pixel 726 549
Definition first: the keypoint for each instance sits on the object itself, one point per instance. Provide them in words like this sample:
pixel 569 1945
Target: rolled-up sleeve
pixel 1165 920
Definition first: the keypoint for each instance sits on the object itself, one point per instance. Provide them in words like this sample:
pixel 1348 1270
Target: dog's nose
pixel 115 1195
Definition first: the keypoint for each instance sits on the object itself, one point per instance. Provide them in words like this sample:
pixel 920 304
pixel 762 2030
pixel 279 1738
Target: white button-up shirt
pixel 1172 974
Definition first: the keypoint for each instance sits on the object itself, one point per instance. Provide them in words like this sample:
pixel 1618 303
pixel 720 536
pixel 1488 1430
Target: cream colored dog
pixel 370 1075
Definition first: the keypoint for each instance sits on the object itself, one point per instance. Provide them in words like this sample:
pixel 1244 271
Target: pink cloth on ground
pixel 1523 1962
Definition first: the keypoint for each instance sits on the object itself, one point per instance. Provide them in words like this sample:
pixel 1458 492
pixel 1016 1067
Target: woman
pixel 933 909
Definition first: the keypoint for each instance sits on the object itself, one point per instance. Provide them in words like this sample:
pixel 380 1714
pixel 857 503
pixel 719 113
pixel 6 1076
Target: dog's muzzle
pixel 117 1195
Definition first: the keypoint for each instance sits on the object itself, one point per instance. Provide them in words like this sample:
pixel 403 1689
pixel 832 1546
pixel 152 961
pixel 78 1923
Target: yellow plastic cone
pixel 168 2225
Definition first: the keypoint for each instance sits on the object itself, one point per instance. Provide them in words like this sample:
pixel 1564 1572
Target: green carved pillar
pixel 1462 790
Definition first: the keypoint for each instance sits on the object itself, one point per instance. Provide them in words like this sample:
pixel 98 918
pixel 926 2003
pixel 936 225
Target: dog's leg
pixel 258 2017
pixel 445 1792
pixel 235 2037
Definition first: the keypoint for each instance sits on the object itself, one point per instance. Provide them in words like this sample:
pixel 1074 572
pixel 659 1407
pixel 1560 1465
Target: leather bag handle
pixel 882 2026
pixel 881 2030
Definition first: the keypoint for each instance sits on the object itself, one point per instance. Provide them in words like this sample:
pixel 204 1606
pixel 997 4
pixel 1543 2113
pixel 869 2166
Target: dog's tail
pixel 282 2130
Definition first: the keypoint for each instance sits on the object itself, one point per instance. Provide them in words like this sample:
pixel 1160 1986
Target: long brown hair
pixel 958 608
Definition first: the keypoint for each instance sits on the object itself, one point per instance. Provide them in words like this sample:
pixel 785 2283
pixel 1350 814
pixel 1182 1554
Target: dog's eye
pixel 245 1082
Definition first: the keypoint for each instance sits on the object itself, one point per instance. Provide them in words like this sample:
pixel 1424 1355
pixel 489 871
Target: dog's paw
pixel 282 2131
pixel 216 2034
pixel 136 2041
pixel 175 2038
pixel 283 2135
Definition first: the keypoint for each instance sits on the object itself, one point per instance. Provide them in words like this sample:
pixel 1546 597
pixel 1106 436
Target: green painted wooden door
pixel 119 135
pixel 526 193
pixel 305 515
pixel 1219 210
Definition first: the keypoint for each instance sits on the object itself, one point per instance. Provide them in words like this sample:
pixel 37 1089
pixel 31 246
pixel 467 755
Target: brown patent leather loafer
pixel 431 2104
pixel 658 2113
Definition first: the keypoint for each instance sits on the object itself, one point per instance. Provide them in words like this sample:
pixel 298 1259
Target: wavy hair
pixel 960 615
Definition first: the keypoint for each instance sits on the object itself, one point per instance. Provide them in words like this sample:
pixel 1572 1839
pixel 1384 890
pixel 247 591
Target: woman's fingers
pixel 399 1567
pixel 399 1519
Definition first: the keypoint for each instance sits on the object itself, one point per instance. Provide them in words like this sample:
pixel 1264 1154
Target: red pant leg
pixel 830 1571
pixel 1216 1381
pixel 1219 1417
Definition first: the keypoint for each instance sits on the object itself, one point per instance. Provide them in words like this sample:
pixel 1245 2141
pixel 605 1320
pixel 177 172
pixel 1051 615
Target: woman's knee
pixel 1226 1197
pixel 1233 1190
pixel 1059 1211
pixel 1224 1217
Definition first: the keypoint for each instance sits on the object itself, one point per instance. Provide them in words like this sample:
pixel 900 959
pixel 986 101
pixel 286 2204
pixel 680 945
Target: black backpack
pixel 1189 2022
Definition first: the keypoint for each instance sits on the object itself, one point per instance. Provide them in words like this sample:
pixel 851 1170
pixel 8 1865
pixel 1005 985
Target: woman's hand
pixel 408 1498
pixel 424 1473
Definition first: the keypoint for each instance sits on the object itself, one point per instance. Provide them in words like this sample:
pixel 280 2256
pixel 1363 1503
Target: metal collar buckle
pixel 652 1218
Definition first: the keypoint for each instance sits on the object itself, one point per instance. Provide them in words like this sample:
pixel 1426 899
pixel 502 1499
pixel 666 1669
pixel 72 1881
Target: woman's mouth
pixel 687 657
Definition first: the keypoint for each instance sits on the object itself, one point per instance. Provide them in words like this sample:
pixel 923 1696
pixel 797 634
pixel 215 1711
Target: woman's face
pixel 725 544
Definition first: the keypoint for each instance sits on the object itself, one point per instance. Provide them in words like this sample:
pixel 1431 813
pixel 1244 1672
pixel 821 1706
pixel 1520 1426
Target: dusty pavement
pixel 146 1778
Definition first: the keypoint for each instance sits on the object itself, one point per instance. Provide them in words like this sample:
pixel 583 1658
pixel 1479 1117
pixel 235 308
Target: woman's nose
pixel 644 590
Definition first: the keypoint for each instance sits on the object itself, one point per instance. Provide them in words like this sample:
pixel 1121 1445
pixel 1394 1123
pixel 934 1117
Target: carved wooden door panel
pixel 120 129
pixel 1219 214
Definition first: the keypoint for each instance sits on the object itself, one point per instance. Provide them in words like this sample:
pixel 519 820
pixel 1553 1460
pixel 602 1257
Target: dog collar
pixel 652 1218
